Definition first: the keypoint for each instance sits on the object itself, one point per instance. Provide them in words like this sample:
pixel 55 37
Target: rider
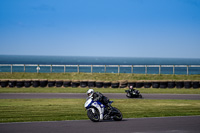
pixel 97 96
pixel 131 88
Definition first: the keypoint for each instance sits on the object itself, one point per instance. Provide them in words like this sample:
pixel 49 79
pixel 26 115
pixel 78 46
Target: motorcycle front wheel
pixel 128 95
pixel 93 114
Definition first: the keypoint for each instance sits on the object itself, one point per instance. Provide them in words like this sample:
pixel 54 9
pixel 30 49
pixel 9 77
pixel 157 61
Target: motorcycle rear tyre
pixel 118 116
pixel 95 117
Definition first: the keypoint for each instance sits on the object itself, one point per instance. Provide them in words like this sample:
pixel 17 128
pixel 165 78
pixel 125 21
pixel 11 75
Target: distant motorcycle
pixel 133 93
pixel 96 111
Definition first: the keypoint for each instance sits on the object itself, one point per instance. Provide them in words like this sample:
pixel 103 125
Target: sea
pixel 106 61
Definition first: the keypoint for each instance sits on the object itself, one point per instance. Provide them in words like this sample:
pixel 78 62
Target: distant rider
pixel 97 96
pixel 133 90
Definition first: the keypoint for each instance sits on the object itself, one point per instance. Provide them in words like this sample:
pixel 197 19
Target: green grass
pixel 96 76
pixel 103 90
pixel 24 110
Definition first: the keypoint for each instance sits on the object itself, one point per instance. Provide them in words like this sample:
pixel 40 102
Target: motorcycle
pixel 96 111
pixel 133 93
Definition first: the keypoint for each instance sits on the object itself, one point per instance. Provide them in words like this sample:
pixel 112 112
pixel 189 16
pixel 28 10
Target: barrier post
pixel 91 68
pixel 24 68
pixel 51 68
pixel 64 68
pixel 159 69
pixel 118 69
pixel 145 69
pixel 11 68
pixel 187 70
pixel 78 69
pixel 173 69
pixel 132 69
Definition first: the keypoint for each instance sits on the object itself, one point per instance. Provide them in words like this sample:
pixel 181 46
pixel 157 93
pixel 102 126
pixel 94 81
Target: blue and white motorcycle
pixel 96 111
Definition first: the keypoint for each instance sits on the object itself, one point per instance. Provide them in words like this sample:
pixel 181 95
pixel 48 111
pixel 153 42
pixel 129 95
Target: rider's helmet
pixel 90 92
pixel 131 87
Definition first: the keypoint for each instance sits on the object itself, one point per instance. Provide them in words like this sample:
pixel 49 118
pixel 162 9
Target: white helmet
pixel 90 92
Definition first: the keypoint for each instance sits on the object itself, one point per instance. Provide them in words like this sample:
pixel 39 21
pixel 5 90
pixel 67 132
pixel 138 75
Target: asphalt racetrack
pixel 83 95
pixel 190 124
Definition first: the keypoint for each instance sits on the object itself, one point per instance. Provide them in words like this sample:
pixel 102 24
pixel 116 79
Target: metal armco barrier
pixel 76 68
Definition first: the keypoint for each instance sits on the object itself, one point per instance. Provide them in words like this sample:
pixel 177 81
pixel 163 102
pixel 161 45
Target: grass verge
pixel 103 90
pixel 96 76
pixel 24 110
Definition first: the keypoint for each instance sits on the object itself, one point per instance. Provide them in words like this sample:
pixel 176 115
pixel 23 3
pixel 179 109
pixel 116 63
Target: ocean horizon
pixel 88 60
pixel 85 60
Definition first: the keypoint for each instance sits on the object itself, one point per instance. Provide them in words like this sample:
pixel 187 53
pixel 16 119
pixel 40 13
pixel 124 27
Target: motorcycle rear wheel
pixel 118 115
pixel 95 117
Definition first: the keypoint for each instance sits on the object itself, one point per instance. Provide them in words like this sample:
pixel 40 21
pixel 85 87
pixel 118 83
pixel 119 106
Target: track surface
pixel 138 125
pixel 83 95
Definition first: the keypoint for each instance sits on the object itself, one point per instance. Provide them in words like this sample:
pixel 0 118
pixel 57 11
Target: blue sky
pixel 114 28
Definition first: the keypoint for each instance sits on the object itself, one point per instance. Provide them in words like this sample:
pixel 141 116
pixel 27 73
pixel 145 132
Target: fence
pixel 145 69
